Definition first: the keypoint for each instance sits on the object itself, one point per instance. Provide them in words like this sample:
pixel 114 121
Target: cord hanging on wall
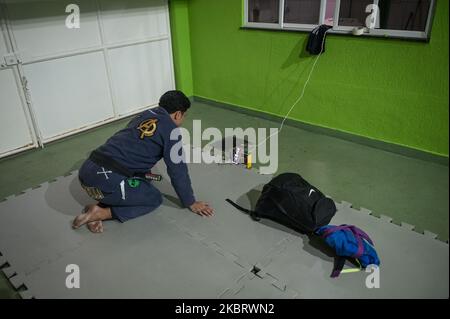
pixel 321 41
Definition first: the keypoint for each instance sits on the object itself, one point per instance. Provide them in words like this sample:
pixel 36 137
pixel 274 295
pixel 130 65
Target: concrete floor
pixel 406 189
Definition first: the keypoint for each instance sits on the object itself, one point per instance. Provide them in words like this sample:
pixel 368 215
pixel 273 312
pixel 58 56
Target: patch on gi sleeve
pixel 94 192
pixel 148 128
pixel 134 183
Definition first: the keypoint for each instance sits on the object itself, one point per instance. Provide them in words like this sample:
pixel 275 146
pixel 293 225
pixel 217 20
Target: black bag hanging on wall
pixel 316 40
pixel 290 200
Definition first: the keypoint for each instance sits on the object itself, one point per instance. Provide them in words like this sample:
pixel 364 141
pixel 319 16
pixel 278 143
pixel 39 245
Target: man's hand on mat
pixel 202 209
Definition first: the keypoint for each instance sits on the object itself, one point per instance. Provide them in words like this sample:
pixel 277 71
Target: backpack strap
pixel 252 213
pixel 362 234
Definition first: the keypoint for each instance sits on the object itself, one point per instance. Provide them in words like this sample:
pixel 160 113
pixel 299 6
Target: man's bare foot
pixel 93 213
pixel 95 227
pixel 83 218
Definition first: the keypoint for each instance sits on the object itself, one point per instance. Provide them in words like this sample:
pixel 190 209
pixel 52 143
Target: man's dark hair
pixel 173 101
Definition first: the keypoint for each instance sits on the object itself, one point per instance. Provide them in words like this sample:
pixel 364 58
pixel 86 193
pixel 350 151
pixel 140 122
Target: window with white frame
pixel 384 18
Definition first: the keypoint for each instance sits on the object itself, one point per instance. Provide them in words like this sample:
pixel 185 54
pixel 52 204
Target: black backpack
pixel 290 200
pixel 316 40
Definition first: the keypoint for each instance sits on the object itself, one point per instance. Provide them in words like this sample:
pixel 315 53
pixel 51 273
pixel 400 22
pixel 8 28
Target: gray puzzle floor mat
pixel 173 253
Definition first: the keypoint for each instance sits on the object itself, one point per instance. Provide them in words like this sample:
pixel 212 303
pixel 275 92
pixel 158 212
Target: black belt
pixel 112 165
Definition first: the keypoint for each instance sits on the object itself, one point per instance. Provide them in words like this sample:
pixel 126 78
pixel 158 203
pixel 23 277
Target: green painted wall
pixel 390 90
pixel 181 45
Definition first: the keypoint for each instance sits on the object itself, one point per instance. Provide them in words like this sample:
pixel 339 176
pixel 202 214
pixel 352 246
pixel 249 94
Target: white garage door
pixel 16 132
pixel 117 63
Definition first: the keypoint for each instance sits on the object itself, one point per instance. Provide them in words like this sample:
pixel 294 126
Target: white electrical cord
pixel 301 95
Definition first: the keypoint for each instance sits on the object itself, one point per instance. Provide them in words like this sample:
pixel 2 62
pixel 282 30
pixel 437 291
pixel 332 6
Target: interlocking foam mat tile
pixel 172 253
pixel 412 265
pixel 146 258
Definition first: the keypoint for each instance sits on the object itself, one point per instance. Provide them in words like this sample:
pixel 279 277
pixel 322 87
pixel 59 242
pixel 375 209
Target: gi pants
pixel 128 198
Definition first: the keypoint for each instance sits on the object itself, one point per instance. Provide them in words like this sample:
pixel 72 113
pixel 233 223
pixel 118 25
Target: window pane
pixel 409 15
pixel 264 11
pixel 302 11
pixel 393 14
pixel 353 12
pixel 329 12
